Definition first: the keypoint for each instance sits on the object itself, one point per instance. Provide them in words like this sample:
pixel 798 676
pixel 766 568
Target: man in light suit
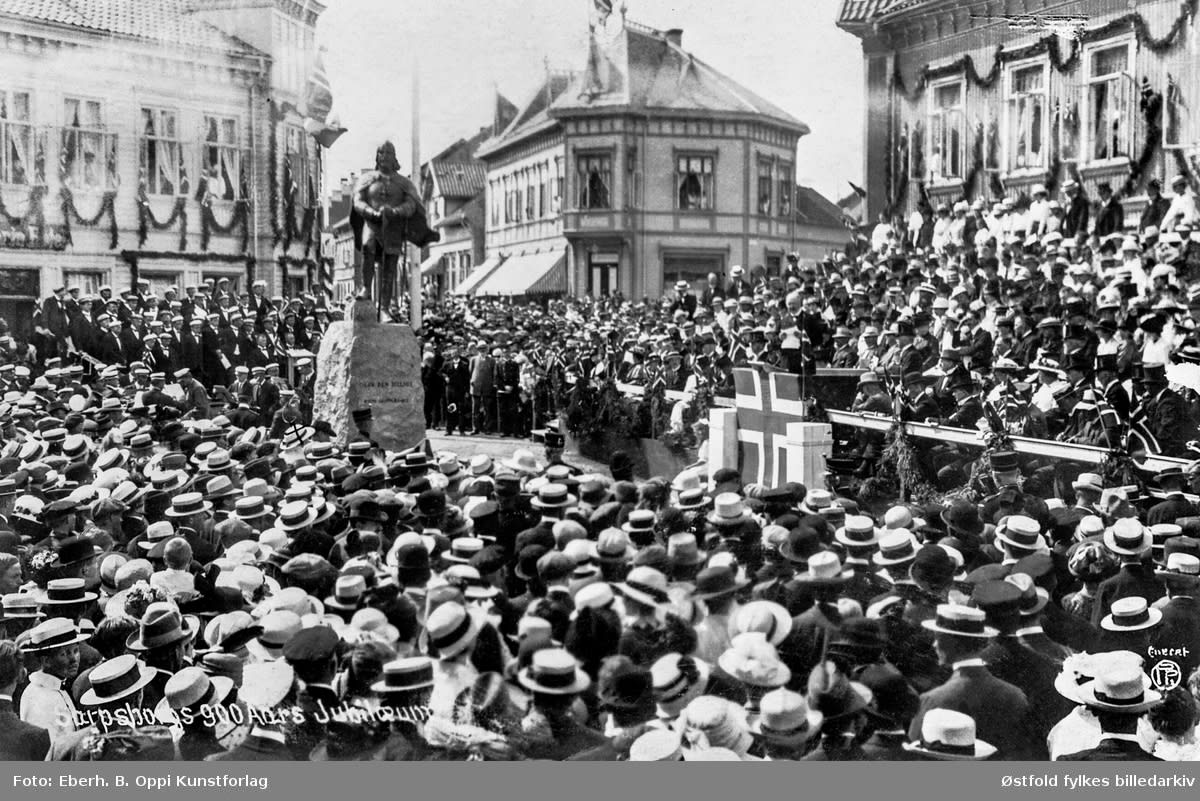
pixel 483 389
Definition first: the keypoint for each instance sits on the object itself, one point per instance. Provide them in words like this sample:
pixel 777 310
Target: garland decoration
pixel 1048 45
pixel 274 116
pixel 146 218
pixel 35 214
pixel 71 215
pixel 208 219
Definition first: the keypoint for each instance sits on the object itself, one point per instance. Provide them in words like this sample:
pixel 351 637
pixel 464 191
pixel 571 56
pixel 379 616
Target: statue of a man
pixel 389 213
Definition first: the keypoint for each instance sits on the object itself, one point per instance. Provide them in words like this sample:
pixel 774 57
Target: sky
pixel 788 51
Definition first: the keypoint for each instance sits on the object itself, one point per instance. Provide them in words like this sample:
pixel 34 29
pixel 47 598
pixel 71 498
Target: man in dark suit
pixel 108 346
pixel 457 375
pixel 1075 224
pixel 1000 709
pixel 1176 504
pixel 1011 661
pixel 1131 542
pixel 1166 416
pixel 1156 206
pixel 1118 698
pixel 1110 219
pixel 19 741
pixel 266 395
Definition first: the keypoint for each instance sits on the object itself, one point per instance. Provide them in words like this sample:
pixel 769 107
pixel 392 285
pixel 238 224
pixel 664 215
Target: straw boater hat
pixel 1131 614
pixel 57 632
pixel 1078 669
pixel 896 548
pixel 645 585
pixel 554 671
pixel 1119 687
pixel 785 718
pixel 188 504
pixel 1128 537
pixel 119 677
pixel 728 510
pixel 824 570
pixel 452 628
pixel 859 531
pixel 64 592
pixel 405 675
pixel 960 621
pixel 553 496
pixel 949 735
pixel 1181 572
pixel 1020 531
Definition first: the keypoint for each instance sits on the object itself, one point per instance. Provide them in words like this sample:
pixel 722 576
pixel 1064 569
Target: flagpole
pixel 414 266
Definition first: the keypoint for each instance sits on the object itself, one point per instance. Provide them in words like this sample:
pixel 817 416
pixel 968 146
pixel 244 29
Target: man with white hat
pixel 1183 209
pixel 1118 696
pixel 53 646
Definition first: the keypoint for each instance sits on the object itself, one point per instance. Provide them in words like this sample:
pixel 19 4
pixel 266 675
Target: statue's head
pixel 385 157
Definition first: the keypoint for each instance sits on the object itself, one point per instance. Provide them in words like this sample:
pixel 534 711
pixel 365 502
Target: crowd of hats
pixel 516 599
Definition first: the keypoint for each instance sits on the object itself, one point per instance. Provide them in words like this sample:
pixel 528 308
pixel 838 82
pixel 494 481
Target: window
pixel 544 190
pixel 161 282
pixel 694 182
pixel 89 153
pixel 947 139
pixel 89 283
pixel 16 138
pixel 633 180
pixel 494 195
pixel 786 188
pixel 530 194
pixel 559 178
pixel 162 153
pixel 1027 122
pixel 766 185
pixel 595 178
pixel 1110 100
pixel 300 167
pixel 223 157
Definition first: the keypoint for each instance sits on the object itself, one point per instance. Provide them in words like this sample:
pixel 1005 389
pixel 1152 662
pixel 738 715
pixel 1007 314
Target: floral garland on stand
pixel 900 474
pixel 71 215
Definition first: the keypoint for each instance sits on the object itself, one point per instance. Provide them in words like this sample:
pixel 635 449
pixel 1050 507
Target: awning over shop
pixel 431 265
pixel 530 274
pixel 480 273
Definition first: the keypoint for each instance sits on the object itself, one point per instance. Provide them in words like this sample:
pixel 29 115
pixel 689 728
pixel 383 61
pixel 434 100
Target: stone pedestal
pixel 366 364
pixel 808 446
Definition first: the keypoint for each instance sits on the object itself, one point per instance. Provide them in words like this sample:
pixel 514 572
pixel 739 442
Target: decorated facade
pixel 646 167
pixel 155 139
pixel 983 100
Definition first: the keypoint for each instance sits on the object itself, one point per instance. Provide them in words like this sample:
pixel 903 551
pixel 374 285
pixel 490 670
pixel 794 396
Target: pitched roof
pixel 642 68
pixel 855 13
pixel 460 178
pixel 532 116
pixel 813 208
pixel 166 21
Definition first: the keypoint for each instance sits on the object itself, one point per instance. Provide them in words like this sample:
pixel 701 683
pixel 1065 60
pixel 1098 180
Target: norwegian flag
pixel 767 403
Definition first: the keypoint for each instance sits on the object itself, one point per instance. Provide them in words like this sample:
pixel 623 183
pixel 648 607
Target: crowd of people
pixel 192 567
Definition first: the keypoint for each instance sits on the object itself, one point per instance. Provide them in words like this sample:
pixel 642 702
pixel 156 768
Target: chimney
pixel 675 36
